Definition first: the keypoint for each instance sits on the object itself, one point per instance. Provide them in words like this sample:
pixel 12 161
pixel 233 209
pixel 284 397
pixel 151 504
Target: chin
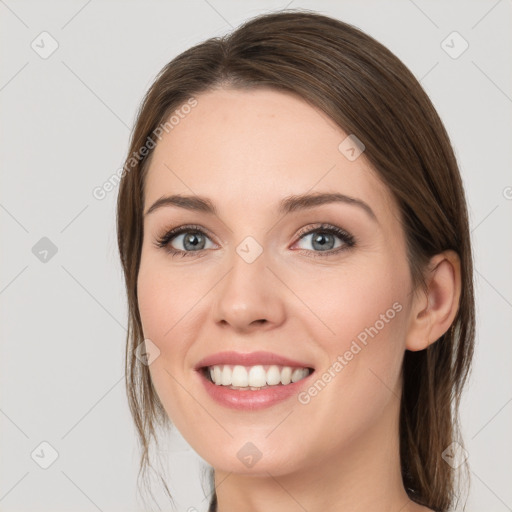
pixel 255 458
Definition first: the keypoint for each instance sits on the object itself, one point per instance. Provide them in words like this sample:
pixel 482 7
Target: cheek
pixel 351 299
pixel 153 301
pixel 163 311
pixel 360 378
pixel 364 312
pixel 166 300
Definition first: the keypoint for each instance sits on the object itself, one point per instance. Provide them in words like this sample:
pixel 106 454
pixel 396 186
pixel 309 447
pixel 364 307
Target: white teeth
pixel 286 375
pixel 240 377
pixel 297 374
pixel 217 375
pixel 255 377
pixel 226 375
pixel 273 376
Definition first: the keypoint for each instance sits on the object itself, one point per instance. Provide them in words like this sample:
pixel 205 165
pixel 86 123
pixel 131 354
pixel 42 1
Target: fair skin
pixel 246 151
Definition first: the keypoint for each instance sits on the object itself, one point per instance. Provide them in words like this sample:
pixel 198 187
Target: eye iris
pixel 190 241
pixel 320 239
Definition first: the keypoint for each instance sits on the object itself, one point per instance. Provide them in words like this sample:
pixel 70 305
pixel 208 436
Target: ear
pixel 433 311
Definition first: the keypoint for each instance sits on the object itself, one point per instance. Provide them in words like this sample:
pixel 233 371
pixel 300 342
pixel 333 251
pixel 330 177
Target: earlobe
pixel 434 310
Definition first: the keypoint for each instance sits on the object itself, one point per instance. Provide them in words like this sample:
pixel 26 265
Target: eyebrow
pixel 288 205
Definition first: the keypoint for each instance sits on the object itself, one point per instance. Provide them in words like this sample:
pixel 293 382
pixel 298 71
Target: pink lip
pixel 249 400
pixel 249 359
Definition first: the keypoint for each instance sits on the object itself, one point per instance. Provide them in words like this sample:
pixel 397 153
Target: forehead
pixel 252 147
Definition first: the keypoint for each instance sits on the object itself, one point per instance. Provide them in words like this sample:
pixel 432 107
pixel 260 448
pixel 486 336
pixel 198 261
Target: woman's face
pixel 259 274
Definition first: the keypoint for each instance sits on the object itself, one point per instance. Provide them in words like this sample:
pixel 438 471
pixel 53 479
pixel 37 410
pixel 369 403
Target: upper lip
pixel 249 359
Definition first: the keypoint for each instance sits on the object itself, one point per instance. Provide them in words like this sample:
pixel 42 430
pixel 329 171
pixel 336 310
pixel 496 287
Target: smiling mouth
pixel 255 377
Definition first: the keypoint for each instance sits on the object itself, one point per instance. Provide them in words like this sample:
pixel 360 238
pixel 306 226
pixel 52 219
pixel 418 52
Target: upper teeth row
pixel 255 376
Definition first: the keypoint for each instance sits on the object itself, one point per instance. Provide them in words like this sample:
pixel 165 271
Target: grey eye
pixel 190 240
pixel 321 240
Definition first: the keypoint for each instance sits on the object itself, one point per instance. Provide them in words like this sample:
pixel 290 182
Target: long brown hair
pixel 368 92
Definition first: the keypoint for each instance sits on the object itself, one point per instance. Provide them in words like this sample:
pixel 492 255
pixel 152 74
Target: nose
pixel 249 296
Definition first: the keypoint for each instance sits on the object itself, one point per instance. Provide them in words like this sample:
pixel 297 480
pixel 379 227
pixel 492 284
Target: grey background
pixel 65 125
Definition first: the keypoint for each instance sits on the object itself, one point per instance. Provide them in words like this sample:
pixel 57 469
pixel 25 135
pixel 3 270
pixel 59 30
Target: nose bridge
pixel 246 296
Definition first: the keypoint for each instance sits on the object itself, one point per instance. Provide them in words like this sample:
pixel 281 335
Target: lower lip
pixel 252 400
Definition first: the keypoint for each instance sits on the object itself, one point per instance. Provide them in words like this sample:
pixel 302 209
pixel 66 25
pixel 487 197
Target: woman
pixel 294 238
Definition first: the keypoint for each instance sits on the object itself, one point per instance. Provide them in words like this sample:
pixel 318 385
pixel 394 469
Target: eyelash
pixel 348 239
